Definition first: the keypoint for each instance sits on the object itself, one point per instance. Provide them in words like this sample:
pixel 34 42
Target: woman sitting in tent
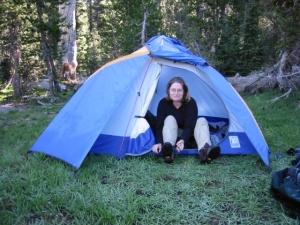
pixel 177 120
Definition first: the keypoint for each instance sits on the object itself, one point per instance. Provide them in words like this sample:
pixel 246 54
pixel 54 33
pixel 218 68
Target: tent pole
pixel 138 95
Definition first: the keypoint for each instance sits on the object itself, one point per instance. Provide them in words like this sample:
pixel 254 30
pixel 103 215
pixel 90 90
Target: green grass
pixel 37 189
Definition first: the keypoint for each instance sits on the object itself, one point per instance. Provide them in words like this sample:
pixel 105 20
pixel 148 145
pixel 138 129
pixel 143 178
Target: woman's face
pixel 176 92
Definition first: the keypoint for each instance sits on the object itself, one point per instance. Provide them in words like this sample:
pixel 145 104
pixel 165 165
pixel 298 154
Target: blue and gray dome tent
pixel 106 115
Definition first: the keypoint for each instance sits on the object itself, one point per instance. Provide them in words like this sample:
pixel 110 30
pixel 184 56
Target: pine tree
pixel 10 25
pixel 117 26
pixel 82 30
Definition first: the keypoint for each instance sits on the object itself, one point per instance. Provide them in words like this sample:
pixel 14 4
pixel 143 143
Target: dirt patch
pixel 7 107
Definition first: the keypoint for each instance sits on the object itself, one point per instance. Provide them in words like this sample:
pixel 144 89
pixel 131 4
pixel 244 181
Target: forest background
pixel 235 37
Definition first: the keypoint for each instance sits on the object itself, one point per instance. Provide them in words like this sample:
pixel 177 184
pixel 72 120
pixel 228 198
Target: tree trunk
pixel 68 41
pixel 49 75
pixel 15 53
pixel 54 75
pixel 48 57
pixel 144 27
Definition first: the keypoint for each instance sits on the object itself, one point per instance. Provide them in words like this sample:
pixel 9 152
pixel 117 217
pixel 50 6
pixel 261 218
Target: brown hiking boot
pixel 208 153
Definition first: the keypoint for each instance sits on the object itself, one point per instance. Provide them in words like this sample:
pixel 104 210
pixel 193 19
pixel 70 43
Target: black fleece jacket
pixel 186 116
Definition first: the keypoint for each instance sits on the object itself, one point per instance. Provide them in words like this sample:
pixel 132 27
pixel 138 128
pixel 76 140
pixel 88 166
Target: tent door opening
pixel 210 105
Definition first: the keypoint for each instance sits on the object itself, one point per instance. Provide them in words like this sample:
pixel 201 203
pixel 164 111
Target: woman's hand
pixel 180 145
pixel 157 148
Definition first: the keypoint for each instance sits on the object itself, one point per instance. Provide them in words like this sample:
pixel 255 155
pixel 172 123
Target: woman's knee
pixel 169 119
pixel 202 121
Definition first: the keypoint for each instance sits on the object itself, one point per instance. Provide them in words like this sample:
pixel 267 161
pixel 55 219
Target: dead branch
pixel 8 82
pixel 286 95
pixel 41 103
pixel 284 74
pixel 290 75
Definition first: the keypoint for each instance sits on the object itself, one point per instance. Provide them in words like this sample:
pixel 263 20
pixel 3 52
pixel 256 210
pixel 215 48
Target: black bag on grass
pixel 285 187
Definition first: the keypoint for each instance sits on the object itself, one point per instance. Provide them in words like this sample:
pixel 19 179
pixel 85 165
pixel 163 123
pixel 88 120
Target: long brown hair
pixel 186 95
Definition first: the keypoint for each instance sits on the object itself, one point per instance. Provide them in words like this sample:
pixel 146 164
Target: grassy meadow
pixel 37 189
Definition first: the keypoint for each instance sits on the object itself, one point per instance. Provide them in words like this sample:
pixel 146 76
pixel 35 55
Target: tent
pixel 106 115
